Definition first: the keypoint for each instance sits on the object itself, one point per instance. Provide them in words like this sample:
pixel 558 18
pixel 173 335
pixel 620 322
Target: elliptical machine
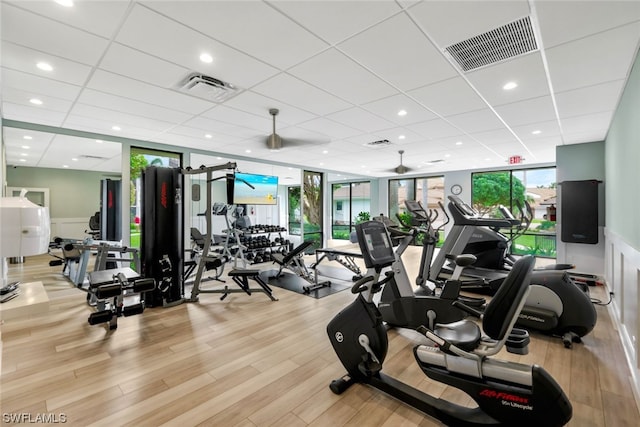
pixel 506 392
pixel 556 304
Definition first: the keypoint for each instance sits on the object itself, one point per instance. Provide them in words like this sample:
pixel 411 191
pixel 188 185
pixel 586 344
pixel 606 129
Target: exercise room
pixel 319 213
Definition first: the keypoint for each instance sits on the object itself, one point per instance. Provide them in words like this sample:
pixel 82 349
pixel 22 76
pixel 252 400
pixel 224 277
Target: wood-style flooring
pixel 249 361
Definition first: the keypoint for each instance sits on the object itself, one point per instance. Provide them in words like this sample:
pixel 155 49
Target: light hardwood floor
pixel 248 361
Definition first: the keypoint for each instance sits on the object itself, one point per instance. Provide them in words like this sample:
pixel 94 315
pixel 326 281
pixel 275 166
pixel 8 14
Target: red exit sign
pixel 515 160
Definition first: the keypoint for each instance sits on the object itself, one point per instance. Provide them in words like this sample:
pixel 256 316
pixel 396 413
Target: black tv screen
pixel 264 191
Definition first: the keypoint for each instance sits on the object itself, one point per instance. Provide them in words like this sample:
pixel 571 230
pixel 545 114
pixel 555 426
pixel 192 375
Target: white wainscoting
pixel 70 228
pixel 622 274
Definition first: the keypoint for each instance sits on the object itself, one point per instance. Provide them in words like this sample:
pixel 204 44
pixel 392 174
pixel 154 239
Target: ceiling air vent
pixel 92 157
pixel 207 87
pixel 379 143
pixel 508 41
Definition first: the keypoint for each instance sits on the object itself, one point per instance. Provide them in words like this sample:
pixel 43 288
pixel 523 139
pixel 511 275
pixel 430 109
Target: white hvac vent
pixel 379 143
pixel 207 87
pixel 508 41
pixel 92 157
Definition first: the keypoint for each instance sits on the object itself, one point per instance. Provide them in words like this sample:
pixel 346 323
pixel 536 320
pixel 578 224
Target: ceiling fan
pixel 401 168
pixel 275 142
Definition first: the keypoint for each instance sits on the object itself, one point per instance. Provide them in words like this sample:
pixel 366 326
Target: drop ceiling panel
pixel 587 124
pixel 26 113
pixel 92 124
pixel 434 129
pixel 596 59
pixel 407 60
pixel 591 99
pixel 18 58
pixel 361 119
pixel 449 22
pixel 33 86
pixel 176 43
pixel 240 118
pixel 138 65
pixel 119 118
pixel 337 74
pixel 526 70
pixel 452 96
pixel 336 20
pixel 27 29
pixel 330 128
pixel 526 112
pixel 132 107
pixel 293 91
pixel 476 121
pixel 209 125
pixel 125 87
pixel 249 26
pixel 97 17
pixel 558 23
pixel 389 108
pixel 259 105
pixel 543 131
pixel 49 103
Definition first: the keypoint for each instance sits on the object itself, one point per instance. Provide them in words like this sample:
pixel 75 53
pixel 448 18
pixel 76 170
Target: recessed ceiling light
pixel 25 147
pixel 35 101
pixel 65 3
pixel 218 158
pixel 247 151
pixel 116 128
pixel 402 112
pixel 206 58
pixel 325 151
pixel 99 141
pixel 459 143
pixel 44 66
pixel 23 160
pixel 208 136
pixel 510 85
pixel 24 154
pixel 74 159
pixel 321 164
pixel 27 137
pixel 401 137
pixel 487 159
pixel 536 132
pixel 65 166
pixel 447 155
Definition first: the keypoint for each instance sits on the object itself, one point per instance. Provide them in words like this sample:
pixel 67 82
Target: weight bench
pixel 107 289
pixel 242 277
pixel 293 261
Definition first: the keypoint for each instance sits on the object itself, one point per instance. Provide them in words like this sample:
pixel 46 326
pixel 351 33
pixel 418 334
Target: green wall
pixel 622 158
pixel 72 193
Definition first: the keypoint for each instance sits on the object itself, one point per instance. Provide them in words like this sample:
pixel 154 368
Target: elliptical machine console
pixel 506 393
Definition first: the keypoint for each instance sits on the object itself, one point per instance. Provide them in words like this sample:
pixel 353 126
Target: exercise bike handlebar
pixel 360 285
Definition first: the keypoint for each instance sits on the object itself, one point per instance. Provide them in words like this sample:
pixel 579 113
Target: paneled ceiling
pixel 338 71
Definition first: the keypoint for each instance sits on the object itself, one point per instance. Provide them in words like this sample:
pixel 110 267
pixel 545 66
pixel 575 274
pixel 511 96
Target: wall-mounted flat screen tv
pixel 264 191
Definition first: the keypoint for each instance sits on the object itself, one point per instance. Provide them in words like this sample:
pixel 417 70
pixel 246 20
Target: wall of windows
pixel 530 194
pixel 312 208
pixel 351 204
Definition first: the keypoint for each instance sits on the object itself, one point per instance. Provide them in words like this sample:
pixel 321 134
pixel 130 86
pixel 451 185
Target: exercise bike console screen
pixel 375 244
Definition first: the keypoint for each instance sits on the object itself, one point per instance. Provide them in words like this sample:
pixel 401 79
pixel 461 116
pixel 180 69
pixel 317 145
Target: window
pixel 530 194
pixel 293 204
pixel 312 202
pixel 351 203
pixel 141 158
pixel 428 190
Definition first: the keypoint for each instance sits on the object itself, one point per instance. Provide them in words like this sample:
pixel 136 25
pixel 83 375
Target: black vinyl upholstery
pixel 284 260
pixel 503 305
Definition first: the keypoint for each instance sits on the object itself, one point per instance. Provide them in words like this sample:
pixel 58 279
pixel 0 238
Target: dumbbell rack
pixel 260 242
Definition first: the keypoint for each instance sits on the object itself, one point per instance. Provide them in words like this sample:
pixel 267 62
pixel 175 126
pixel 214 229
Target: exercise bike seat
pixel 464 334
